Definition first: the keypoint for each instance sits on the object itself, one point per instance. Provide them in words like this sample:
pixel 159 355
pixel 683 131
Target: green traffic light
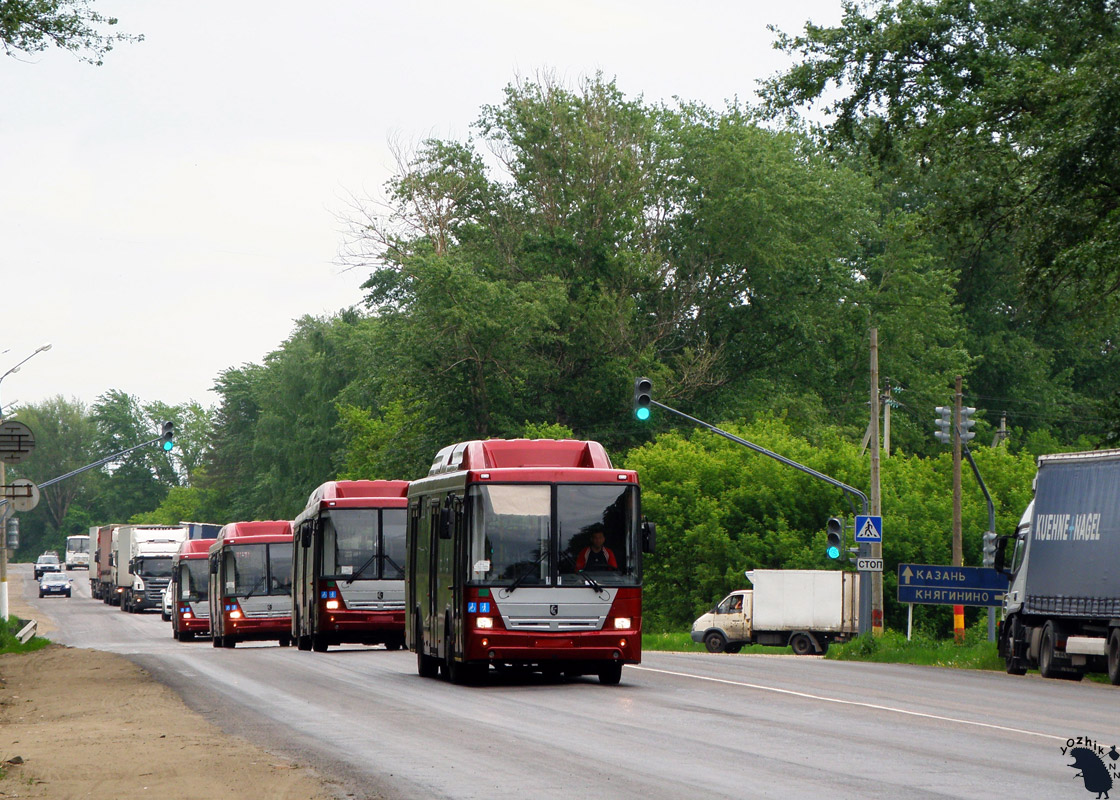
pixel 833 551
pixel 168 446
pixel 642 413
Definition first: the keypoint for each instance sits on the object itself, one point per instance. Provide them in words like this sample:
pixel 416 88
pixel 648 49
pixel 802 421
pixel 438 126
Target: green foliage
pixel 546 431
pixel 31 26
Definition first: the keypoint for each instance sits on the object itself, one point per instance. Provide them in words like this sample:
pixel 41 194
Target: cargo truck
pixel 143 564
pixel 1062 609
pixel 802 608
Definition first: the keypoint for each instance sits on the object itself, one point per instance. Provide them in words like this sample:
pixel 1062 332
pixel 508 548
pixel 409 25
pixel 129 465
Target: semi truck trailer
pixel 1062 609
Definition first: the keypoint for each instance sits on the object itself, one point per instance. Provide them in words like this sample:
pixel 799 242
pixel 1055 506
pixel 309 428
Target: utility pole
pixel 958 550
pixel 876 498
pixel 887 421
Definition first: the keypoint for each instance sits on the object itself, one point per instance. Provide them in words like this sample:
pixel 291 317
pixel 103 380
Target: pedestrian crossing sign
pixel 869 529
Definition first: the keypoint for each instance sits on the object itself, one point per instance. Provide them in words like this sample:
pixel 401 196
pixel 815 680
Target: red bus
pixel 251 583
pixel 525 554
pixel 348 565
pixel 190 585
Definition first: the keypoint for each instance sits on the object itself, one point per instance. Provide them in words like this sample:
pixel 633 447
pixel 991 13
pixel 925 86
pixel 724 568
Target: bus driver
pixel 596 557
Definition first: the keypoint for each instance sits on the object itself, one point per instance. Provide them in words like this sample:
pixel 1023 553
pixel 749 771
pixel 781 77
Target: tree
pixel 64 441
pixel 996 123
pixel 31 26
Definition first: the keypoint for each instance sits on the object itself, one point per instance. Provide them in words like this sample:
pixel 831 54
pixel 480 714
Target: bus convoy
pixel 508 555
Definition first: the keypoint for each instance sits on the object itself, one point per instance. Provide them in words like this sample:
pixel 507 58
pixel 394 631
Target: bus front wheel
pixel 610 674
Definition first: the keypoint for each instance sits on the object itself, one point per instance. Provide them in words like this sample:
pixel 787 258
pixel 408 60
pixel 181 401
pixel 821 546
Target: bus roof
pixel 194 548
pixel 355 494
pixel 520 453
pixel 246 532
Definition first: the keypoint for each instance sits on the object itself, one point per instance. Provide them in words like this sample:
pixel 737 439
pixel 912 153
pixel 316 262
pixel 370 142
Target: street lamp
pixel 4 509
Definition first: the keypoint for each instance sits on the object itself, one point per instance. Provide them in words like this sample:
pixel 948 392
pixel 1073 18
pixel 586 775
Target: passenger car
pixel 166 611
pixel 48 562
pixel 54 583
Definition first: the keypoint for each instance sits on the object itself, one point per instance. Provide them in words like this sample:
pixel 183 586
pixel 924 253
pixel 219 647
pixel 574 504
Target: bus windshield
pixel 77 544
pixel 193 580
pixel 590 538
pixel 258 569
pixel 356 546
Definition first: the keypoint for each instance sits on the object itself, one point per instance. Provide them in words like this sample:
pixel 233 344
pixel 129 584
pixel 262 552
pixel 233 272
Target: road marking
pixel 838 701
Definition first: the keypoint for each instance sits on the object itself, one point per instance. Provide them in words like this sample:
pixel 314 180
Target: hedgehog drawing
pixel 1092 771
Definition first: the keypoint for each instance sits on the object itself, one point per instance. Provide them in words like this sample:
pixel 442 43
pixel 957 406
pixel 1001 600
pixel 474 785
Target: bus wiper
pixel 256 586
pixel 521 578
pixel 594 584
pixel 394 565
pixel 358 573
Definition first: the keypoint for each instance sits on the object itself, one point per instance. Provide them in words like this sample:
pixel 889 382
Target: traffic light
pixel 967 423
pixel 835 540
pixel 643 396
pixel 989 540
pixel 168 436
pixel 944 425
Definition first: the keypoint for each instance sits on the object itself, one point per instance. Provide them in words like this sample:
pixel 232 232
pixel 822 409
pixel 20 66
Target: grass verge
pixel 10 644
pixel 892 647
pixel 678 642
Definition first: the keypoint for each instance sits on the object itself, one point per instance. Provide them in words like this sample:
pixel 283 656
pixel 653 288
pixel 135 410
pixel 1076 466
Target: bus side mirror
pixel 649 537
pixel 214 566
pixel 1000 562
pixel 305 534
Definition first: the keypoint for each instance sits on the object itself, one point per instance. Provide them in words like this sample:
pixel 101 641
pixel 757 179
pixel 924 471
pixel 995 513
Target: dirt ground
pixel 92 725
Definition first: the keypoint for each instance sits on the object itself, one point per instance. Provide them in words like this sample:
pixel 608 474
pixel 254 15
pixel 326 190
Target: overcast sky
pixel 169 214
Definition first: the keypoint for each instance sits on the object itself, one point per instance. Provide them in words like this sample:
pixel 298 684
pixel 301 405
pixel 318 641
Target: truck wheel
pixel 733 648
pixel 715 641
pixel 1114 657
pixel 1013 664
pixel 802 645
pixel 1046 666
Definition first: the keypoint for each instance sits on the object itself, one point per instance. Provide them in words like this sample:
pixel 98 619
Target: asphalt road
pixel 680 725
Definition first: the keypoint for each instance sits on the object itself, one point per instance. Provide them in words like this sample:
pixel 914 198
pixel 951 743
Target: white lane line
pixel 857 703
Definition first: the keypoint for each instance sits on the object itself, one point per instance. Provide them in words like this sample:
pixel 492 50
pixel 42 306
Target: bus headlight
pixel 484 622
pixel 332 605
pixel 621 623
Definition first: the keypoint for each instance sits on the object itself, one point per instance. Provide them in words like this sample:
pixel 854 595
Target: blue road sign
pixel 869 529
pixel 953 586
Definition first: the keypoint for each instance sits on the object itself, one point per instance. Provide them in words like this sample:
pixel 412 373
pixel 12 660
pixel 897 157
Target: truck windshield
pixel 154 567
pixel 590 538
pixel 193 579
pixel 257 569
pixel 364 543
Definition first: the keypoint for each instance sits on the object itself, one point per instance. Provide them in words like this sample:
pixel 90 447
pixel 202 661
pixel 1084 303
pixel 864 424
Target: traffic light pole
pixel 991 527
pixel 864 585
